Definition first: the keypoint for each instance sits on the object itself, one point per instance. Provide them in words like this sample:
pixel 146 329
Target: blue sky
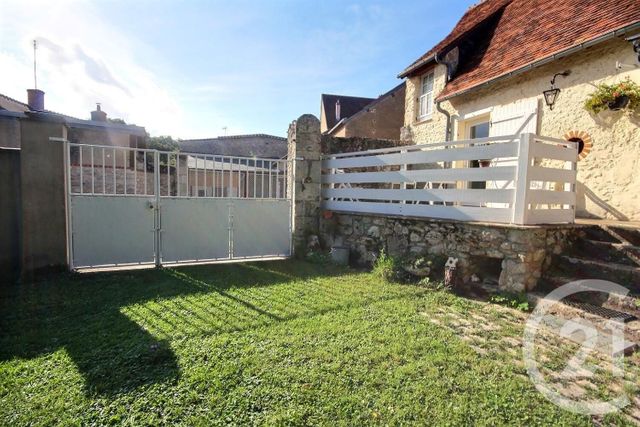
pixel 190 68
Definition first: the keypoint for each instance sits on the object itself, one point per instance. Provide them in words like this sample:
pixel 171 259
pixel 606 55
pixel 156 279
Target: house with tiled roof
pixel 528 66
pixel 376 118
pixel 255 145
pixel 232 165
pixel 334 108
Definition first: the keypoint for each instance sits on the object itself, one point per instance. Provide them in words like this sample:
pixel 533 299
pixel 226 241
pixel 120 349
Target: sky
pixel 192 68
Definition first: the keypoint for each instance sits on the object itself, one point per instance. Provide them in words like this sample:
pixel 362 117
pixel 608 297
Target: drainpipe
pixel 447 132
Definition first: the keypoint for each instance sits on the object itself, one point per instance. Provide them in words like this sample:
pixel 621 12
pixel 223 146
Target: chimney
pixel 98 115
pixel 35 99
pixel 338 110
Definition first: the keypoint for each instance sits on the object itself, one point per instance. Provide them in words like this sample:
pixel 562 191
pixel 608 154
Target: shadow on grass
pixel 85 315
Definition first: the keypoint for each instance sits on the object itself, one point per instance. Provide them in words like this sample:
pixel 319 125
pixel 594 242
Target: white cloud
pixel 83 60
pixel 250 69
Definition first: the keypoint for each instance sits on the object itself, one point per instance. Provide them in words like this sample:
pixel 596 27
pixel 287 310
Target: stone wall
pixel 516 255
pixel 336 145
pixel 607 178
pixel 522 253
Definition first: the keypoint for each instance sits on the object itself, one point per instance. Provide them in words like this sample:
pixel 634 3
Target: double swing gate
pixel 130 206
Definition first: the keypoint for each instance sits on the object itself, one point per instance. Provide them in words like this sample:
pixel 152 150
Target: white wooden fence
pixel 521 179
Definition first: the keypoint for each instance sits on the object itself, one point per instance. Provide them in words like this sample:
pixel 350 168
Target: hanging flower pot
pixel 619 103
pixel 624 95
pixel 485 163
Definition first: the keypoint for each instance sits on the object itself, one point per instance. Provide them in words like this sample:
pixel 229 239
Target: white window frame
pixel 425 101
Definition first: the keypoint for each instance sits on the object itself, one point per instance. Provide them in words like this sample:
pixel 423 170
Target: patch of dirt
pixel 496 332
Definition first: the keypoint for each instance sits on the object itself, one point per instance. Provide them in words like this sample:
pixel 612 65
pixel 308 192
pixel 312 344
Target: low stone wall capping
pixel 523 252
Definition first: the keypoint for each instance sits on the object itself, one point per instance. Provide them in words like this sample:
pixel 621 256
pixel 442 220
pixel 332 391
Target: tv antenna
pixel 35 76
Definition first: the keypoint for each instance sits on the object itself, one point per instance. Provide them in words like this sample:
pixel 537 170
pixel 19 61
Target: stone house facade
pixel 487 78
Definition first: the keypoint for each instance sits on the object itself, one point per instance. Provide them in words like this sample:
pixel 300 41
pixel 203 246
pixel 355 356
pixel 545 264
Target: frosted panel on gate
pixel 194 229
pixel 112 230
pixel 261 228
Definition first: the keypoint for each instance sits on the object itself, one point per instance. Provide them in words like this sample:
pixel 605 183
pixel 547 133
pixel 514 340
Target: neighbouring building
pixel 257 145
pixel 334 108
pixel 377 118
pixel 32 176
pixel 487 77
pixel 232 166
pixel 99 129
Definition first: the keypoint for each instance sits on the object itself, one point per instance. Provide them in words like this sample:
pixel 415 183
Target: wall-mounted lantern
pixel 550 95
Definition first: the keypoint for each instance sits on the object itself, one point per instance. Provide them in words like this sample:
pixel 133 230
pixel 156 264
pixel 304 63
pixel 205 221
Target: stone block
pixel 373 232
pixel 346 230
pixel 345 220
pixel 397 228
pixel 436 249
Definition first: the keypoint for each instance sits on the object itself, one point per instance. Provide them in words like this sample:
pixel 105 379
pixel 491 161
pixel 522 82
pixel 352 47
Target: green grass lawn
pixel 279 343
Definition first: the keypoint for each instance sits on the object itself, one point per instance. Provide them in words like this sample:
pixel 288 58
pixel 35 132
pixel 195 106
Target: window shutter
pixel 514 119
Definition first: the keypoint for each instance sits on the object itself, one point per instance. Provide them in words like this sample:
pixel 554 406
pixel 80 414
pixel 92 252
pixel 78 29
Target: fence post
pixel 158 214
pixel 304 183
pixel 521 194
pixel 572 186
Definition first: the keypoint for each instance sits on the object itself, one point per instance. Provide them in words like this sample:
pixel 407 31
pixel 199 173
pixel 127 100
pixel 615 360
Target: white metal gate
pixel 129 206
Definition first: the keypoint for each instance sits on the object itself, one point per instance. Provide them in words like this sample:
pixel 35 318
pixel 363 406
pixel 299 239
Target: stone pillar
pixel 304 152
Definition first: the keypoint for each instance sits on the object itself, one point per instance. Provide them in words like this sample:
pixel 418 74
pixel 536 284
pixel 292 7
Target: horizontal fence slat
pixel 555 140
pixel 538 173
pixel 502 173
pixel 418 147
pixel 509 149
pixel 457 213
pixel 554 152
pixel 550 216
pixel 422 195
pixel 552 197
